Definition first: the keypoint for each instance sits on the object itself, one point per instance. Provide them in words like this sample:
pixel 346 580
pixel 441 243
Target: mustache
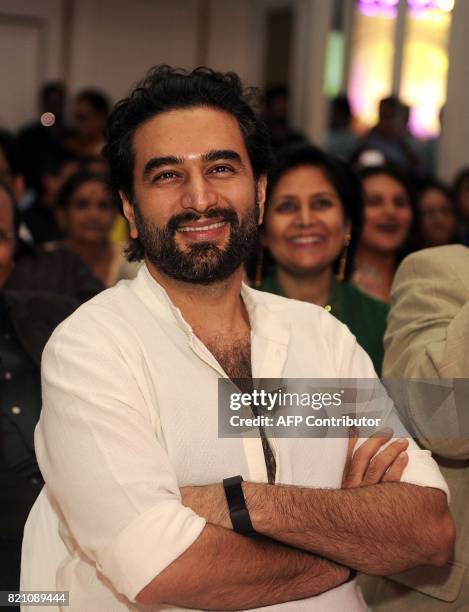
pixel 225 214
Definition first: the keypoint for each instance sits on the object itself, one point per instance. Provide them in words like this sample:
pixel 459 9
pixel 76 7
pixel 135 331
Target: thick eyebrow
pixel 210 156
pixel 317 194
pixel 158 162
pixel 216 155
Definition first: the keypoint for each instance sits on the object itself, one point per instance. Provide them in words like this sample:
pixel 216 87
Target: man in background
pixel 428 339
pixel 44 139
pixel 276 117
pixel 26 321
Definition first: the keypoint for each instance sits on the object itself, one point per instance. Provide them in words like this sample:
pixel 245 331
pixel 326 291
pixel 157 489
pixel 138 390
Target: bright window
pixel 425 67
pixel 372 56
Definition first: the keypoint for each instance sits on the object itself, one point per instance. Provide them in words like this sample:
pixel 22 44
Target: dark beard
pixel 202 263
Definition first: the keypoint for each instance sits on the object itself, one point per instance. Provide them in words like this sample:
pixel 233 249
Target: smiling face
pixel 388 214
pixel 304 226
pixel 196 209
pixel 90 213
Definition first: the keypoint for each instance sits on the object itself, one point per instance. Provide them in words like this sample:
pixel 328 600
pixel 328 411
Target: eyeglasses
pixel 6 237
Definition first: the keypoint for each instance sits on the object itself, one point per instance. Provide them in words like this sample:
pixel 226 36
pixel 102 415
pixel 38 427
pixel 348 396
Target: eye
pixel 285 206
pixel 80 204
pixel 221 169
pixel 105 205
pixel 165 176
pixel 373 200
pixel 322 203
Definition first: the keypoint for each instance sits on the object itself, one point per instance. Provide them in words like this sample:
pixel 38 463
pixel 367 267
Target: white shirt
pixel 130 415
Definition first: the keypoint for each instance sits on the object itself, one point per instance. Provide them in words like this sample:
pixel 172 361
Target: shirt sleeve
pixel 102 460
pixel 427 340
pixel 422 469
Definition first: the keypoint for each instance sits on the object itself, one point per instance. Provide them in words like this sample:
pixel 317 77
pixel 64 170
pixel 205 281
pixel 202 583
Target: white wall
pixel 30 52
pixel 51 12
pixel 110 44
pixel 237 38
pixel 114 42
pixel 454 145
pixel 313 20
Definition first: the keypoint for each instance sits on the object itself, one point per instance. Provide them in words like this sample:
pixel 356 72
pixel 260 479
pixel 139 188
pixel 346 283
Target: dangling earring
pixel 343 259
pixel 259 266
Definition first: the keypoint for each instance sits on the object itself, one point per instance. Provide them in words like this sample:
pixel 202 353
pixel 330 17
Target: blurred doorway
pixel 21 66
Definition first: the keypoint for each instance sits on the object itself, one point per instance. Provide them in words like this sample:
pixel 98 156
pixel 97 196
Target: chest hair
pixel 234 355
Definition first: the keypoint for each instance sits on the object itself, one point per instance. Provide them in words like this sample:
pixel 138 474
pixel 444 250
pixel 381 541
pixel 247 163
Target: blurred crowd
pixel 338 222
pixel 71 237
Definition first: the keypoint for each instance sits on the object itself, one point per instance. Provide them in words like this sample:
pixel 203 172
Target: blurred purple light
pixel 389 7
pixel 383 8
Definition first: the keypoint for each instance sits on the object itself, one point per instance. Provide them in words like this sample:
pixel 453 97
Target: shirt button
pixel 16 410
pixel 8 375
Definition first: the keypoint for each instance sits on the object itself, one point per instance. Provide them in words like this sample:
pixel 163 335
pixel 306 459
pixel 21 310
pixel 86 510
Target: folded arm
pixel 381 529
pixel 374 524
pixel 226 571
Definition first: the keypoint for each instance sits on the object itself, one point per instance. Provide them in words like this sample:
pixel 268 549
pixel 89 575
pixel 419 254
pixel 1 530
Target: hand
pixel 368 467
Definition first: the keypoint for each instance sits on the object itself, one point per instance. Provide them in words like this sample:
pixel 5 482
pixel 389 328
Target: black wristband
pixel 239 514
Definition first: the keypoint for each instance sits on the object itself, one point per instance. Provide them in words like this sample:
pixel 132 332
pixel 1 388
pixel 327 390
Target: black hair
pixel 392 172
pixel 54 164
pixel 432 183
pixel 459 179
pixel 342 178
pixel 96 99
pixel 340 110
pixel 391 102
pixel 51 87
pixel 14 207
pixel 164 89
pixel 9 148
pixel 273 92
pixel 78 179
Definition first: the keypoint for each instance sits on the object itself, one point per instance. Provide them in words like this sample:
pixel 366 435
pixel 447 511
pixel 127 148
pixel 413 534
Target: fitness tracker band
pixel 239 514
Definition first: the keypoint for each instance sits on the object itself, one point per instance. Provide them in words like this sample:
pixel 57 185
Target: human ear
pixel 261 187
pixel 129 213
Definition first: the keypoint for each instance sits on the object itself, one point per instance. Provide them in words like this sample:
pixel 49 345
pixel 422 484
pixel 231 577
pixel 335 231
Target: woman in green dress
pixel 312 221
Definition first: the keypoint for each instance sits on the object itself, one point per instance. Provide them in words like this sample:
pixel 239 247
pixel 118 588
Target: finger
pixel 363 456
pixel 352 440
pixel 394 473
pixel 383 461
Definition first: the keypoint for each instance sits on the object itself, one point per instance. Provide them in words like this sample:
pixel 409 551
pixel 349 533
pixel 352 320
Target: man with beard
pixel 134 511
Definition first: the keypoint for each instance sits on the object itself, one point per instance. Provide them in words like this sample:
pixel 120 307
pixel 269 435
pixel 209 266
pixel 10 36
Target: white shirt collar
pixel 266 321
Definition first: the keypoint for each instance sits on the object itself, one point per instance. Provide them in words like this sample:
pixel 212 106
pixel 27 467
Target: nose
pixel 304 216
pixel 199 194
pixel 388 207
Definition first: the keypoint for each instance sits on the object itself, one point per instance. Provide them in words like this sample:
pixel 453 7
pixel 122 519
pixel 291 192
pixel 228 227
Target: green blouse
pixel 363 315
